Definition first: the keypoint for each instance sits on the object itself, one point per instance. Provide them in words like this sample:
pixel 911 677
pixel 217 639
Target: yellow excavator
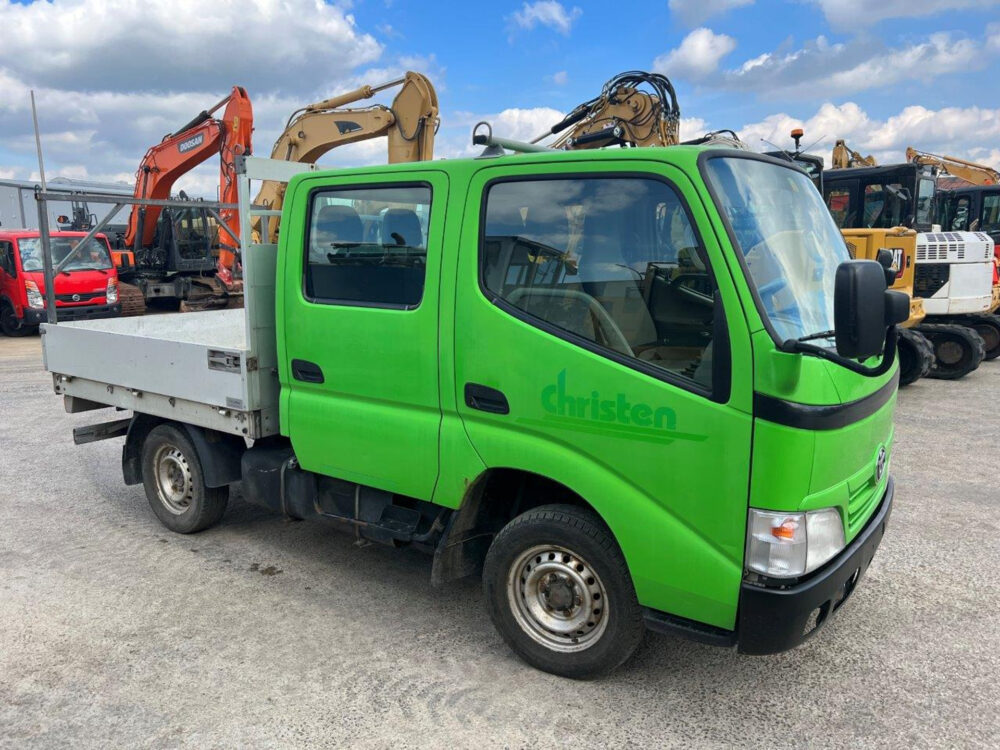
pixel 409 124
pixel 845 157
pixel 970 171
pixel 624 113
pixel 952 270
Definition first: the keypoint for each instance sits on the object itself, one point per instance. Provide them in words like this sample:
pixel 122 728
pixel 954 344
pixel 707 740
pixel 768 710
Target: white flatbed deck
pixel 215 369
pixel 194 367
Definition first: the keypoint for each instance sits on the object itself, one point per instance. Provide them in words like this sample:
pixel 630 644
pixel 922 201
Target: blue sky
pixel 886 75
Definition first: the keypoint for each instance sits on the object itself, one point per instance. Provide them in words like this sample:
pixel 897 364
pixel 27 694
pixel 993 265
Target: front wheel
pixel 175 484
pixel 12 325
pixel 558 590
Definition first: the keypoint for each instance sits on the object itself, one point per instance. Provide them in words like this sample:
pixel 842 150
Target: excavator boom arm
pixel 409 124
pixel 180 152
pixel 623 113
pixel 970 171
pixel 844 157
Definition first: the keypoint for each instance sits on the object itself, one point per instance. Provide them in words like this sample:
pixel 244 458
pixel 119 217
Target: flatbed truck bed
pixel 196 367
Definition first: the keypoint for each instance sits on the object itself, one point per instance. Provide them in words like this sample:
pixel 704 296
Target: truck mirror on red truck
pixel 631 388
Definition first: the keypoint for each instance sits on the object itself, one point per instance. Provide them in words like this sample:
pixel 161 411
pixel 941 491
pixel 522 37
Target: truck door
pixel 591 347
pixel 359 338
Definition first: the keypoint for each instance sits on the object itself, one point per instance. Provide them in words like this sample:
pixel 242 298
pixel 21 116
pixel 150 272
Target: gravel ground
pixel 116 633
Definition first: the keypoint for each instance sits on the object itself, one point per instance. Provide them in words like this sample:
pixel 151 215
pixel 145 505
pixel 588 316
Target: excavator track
pixel 208 293
pixel 987 326
pixel 958 350
pixel 132 300
pixel 916 356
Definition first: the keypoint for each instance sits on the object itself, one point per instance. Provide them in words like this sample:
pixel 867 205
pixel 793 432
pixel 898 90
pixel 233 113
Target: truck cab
pixel 85 289
pixel 628 388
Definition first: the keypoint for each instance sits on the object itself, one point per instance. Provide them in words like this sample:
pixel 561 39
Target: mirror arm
pixel 888 354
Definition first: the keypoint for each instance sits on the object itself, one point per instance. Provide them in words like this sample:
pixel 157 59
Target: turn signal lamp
pixel 787 545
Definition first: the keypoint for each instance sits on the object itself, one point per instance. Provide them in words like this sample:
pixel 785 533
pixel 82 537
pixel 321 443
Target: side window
pixel 613 261
pixel 959 219
pixel 838 200
pixel 925 200
pixel 368 245
pixel 991 213
pixel 7 258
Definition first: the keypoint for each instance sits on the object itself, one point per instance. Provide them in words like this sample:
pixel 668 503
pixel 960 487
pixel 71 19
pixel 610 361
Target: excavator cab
pixel 182 243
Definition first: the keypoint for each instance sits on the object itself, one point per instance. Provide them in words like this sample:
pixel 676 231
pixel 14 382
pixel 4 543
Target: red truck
pixel 86 288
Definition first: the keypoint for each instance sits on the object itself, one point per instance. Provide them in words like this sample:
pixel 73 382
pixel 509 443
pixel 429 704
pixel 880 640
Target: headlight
pixel 112 294
pixel 35 298
pixel 785 545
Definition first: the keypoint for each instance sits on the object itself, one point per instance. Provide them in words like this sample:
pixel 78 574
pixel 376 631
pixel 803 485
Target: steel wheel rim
pixel 557 598
pixel 174 483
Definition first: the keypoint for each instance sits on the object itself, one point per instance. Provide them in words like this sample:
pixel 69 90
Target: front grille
pixel 859 506
pixel 79 296
pixel 929 278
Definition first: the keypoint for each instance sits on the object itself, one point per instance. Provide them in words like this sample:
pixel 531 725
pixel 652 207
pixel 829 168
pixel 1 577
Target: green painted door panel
pixel 375 419
pixel 667 469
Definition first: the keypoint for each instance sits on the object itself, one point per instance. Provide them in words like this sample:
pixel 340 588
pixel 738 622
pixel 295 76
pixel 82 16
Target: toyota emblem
pixel 76 297
pixel 880 464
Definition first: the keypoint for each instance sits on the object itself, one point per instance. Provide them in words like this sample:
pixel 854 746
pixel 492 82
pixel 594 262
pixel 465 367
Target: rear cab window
pixel 610 263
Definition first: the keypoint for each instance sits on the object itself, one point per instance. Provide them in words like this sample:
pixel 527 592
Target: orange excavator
pixel 171 252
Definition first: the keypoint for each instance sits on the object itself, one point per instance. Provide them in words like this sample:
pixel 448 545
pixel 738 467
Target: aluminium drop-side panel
pixel 164 354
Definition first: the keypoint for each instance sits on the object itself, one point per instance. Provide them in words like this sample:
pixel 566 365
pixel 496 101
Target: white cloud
pixel 107 132
pixel 182 45
pixel 693 12
pixel 561 78
pixel 698 55
pixel 846 68
pixel 546 13
pixel 993 37
pixel 848 14
pixel 969 132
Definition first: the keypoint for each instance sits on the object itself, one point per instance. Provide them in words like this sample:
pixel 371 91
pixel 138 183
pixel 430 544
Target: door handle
pixel 308 372
pixel 486 399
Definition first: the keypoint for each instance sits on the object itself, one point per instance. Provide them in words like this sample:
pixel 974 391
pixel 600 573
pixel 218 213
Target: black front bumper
pixel 33 317
pixel 774 619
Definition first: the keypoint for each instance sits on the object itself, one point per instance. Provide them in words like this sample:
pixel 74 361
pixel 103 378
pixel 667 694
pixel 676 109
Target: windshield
pixel 94 256
pixel 788 240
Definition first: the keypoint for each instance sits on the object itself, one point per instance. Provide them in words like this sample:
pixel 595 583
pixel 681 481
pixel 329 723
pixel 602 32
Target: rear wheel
pixel 958 350
pixel 175 484
pixel 12 325
pixel 558 590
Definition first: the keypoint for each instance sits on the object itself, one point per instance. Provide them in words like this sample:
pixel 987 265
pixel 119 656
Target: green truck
pixel 633 389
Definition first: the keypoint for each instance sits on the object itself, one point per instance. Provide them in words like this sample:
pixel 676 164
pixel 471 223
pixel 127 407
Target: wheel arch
pixel 218 453
pixel 486 508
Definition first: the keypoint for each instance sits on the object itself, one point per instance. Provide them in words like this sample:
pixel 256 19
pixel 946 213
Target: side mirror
pixel 860 308
pixel 887 261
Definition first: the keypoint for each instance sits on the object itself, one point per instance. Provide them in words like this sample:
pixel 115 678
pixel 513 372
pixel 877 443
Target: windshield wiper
pixel 820 335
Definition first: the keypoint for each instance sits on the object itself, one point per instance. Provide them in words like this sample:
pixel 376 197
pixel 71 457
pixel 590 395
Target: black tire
pixel 175 485
pixel 958 350
pixel 916 356
pixel 546 545
pixel 11 325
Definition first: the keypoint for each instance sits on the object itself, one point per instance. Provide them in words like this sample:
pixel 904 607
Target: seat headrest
pixel 400 226
pixel 339 224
